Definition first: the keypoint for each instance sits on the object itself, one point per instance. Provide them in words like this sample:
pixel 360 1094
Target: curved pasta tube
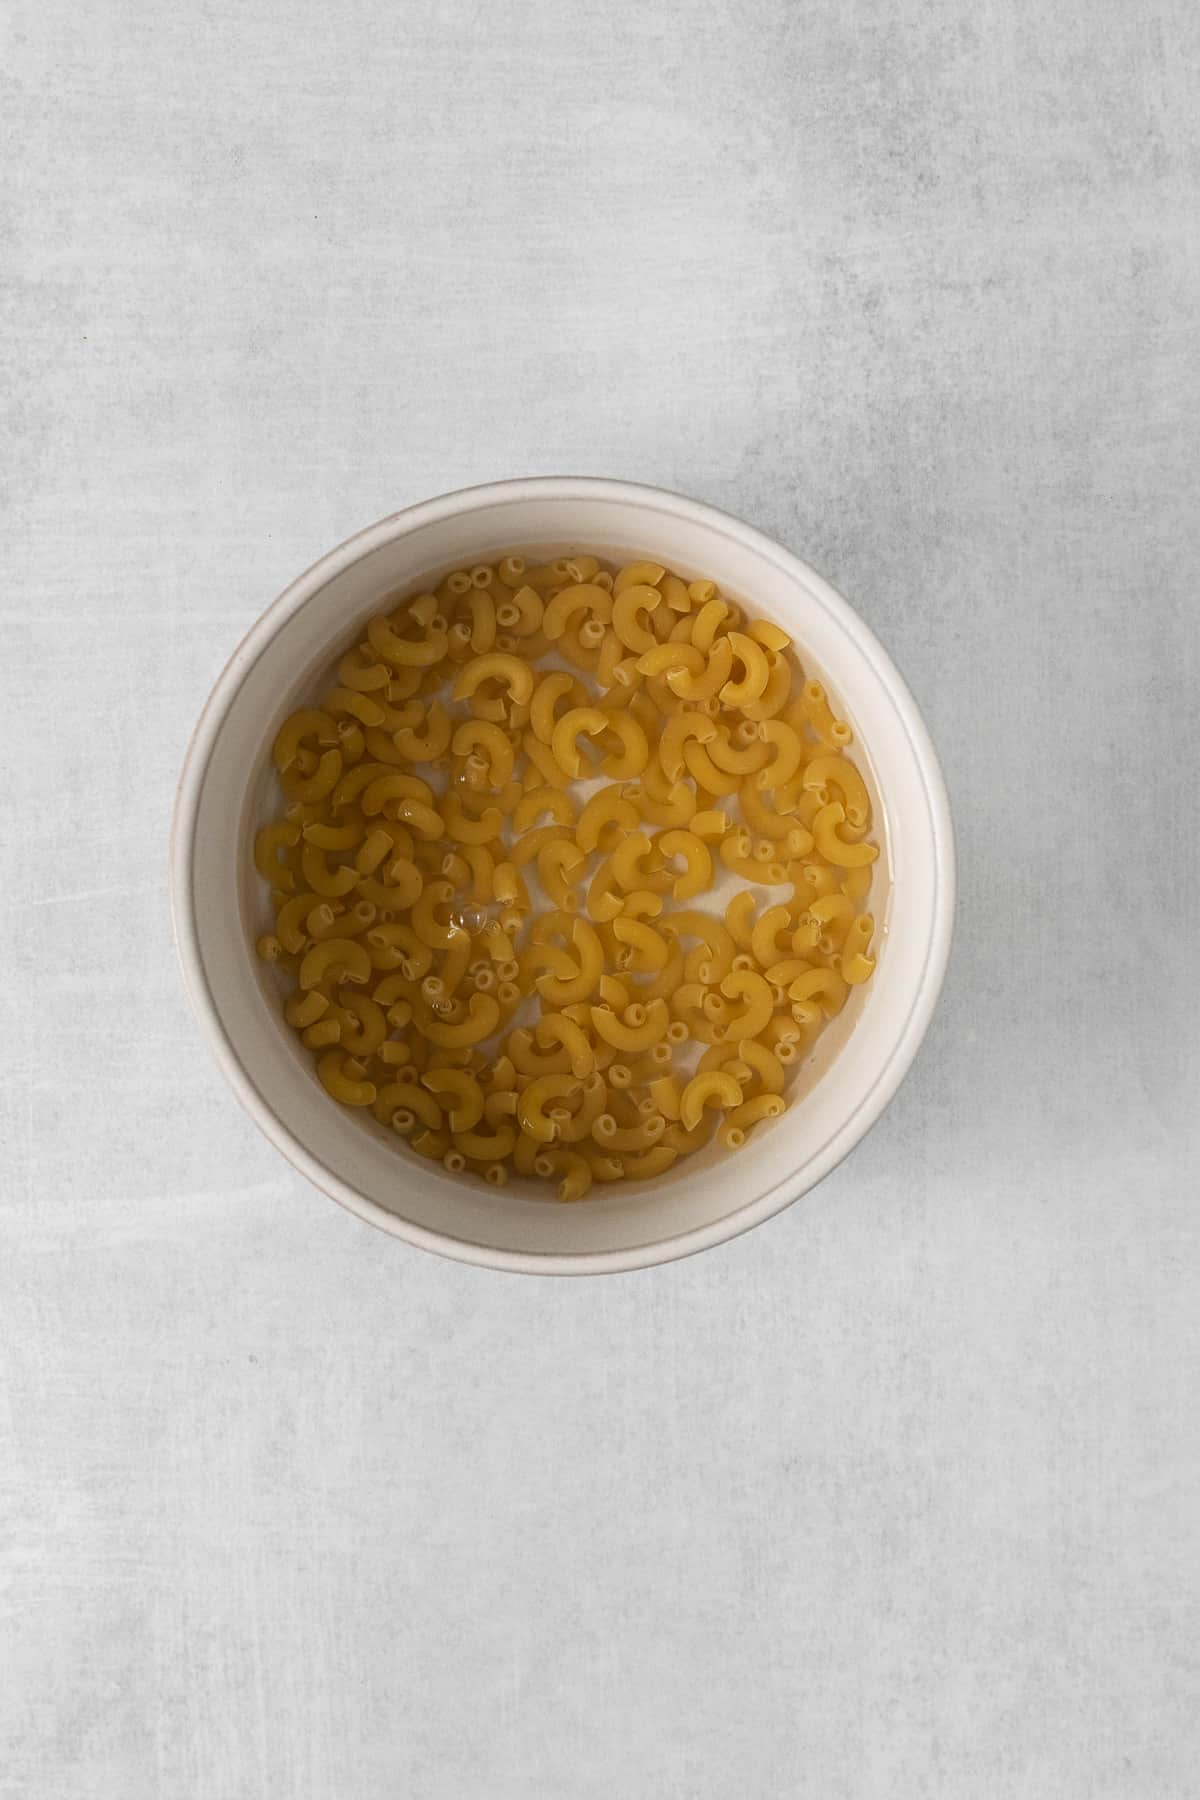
pixel 483 1016
pixel 606 814
pixel 736 854
pixel 755 990
pixel 331 884
pixel 466 830
pixel 836 910
pixel 465 1097
pixel 675 594
pixel 552 688
pixel 832 731
pixel 520 612
pixel 641 1026
pixel 835 849
pixel 515 674
pixel 363 1024
pixel 648 1163
pixel 364 677
pixel 336 1080
pixel 643 1136
pixel 534 842
pixel 676 733
pixel 301 1009
pixel 380 748
pixel 676 808
pixel 602 903
pixel 612 665
pixel 557 864
pixel 774 696
pixel 789 754
pixel 296 730
pixel 334 837
pixel 580 644
pixel 321 1035
pixel 395 1096
pixel 566 990
pixel 356 781
pixel 543 768
pixel 269 845
pixel 454 962
pixel 764 1065
pixel 857 966
pixel 770 636
pixel 736 759
pixel 427 926
pixel 856 883
pixel 533 1100
pixel 581 597
pixel 400 885
pixel 707 621
pixel 483 1146
pixel 664 1090
pixel 425 747
pixel 313 787
pixel 628 602
pixel 536 802
pixel 626 861
pixel 676 653
pixel 575 1170
pixel 825 986
pixel 755 670
pixel 406 653
pixel 739 919
pixel 433 1144
pixel 557 1028
pixel 765 932
pixel 719 943
pixel 379 790
pixel 698 874
pixel 638 574
pixel 707 685
pixel 480 735
pixel 787 970
pixel 349 703
pixel 576 1116
pixel 662 985
pixel 715 1089
pixel 634 753
pixel 838 772
pixel 706 773
pixel 397 946
pixel 565 750
pixel 427 824
pixel 650 946
pixel 744 1118
pixel 473 861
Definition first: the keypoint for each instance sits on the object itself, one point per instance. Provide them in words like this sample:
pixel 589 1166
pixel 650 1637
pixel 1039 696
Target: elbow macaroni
pixel 435 870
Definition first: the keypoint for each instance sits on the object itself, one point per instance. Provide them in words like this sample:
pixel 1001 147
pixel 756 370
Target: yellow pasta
pixel 714 1089
pixel 515 972
pixel 516 675
pixel 334 1071
pixel 834 848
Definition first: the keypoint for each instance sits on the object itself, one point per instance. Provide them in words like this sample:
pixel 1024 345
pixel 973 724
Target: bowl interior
pixel 857 1060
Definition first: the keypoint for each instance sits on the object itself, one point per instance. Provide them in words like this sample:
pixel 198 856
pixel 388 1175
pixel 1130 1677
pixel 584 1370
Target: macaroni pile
pixel 509 965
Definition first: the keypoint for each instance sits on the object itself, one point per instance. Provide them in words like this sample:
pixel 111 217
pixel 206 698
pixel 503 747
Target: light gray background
pixel 896 1496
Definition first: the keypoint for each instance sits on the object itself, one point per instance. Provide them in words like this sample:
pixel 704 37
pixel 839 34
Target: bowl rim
pixel 181 886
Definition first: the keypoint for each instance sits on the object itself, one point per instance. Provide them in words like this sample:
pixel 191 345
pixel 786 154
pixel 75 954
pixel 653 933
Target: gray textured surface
pixel 897 1496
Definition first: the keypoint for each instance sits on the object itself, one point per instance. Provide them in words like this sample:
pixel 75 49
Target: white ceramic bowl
pixel 219 904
